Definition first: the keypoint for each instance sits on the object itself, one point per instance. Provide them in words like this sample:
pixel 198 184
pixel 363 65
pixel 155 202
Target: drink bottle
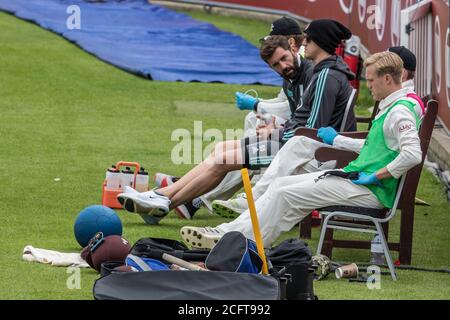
pixel 112 178
pixel 142 180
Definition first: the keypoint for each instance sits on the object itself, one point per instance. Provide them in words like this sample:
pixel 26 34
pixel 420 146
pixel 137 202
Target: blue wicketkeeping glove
pixel 367 179
pixel 327 135
pixel 245 101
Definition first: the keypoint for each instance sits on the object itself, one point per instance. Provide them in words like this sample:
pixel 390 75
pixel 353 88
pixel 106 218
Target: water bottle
pixel 376 251
pixel 142 180
pixel 126 178
pixel 112 178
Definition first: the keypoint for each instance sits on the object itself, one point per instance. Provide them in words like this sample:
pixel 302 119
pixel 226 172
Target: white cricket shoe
pixel 146 202
pixel 231 208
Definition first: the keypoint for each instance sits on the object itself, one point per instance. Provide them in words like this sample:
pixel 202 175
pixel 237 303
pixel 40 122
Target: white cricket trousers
pixel 289 199
pixel 295 157
pixel 232 182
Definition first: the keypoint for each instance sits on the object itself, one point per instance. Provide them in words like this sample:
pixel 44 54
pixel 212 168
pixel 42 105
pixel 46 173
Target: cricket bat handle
pixel 182 263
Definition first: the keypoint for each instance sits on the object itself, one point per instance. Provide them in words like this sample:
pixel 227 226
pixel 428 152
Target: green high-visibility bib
pixel 375 155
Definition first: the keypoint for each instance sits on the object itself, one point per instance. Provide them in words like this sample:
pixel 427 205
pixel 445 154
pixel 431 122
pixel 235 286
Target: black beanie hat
pixel 327 34
pixel 409 59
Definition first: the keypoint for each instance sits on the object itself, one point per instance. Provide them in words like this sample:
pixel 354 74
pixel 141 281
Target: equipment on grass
pixel 323 266
pixel 108 267
pixel 93 219
pixel 156 247
pixel 127 177
pixel 102 249
pixel 187 285
pixel 119 282
pixel 234 253
pixel 294 256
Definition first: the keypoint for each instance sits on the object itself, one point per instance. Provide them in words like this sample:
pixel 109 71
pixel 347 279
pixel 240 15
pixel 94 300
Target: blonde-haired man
pixel 392 148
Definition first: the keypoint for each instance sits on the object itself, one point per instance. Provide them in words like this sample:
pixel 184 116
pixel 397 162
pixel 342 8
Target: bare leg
pixel 220 149
pixel 210 178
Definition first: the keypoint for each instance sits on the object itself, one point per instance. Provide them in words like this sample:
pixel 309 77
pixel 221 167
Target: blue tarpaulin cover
pixel 150 40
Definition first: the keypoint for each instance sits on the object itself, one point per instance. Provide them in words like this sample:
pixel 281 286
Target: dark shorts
pixel 259 153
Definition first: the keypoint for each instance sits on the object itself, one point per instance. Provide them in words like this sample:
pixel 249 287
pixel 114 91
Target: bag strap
pixel 419 101
pixel 141 263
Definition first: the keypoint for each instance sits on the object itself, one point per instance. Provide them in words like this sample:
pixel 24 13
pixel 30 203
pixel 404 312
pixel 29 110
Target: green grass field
pixel 67 115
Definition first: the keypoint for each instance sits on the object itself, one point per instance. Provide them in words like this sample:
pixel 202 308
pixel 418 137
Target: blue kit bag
pixel 234 253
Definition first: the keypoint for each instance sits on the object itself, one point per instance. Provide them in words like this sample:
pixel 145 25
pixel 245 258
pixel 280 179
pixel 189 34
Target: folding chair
pixel 356 214
pixel 305 225
pixel 405 200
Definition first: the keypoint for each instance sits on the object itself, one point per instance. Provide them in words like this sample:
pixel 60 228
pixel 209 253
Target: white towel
pixel 53 258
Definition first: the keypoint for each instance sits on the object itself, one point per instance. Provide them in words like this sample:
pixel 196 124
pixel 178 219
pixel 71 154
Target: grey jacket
pixel 324 100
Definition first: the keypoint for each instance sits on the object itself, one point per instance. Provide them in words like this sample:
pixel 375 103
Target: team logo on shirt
pixel 404 127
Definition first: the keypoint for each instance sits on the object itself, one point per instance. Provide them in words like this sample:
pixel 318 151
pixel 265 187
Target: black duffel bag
pixel 293 256
pixel 184 285
pixel 187 285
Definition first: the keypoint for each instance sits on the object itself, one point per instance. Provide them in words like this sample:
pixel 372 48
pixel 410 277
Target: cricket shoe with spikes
pixel 231 208
pixel 202 238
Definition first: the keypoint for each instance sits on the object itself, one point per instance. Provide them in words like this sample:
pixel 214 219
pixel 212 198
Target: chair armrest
pixel 312 134
pixel 355 134
pixel 363 119
pixel 308 132
pixel 342 157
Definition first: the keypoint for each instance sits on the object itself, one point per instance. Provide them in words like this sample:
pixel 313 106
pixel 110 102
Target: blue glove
pixel 327 135
pixel 366 179
pixel 245 101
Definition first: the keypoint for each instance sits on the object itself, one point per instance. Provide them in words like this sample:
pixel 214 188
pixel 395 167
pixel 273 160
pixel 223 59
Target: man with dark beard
pixel 322 105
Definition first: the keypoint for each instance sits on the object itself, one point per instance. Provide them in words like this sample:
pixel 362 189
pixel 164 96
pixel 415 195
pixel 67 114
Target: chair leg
pixel 327 249
pixel 323 232
pixel 386 231
pixel 305 227
pixel 406 232
pixel 387 255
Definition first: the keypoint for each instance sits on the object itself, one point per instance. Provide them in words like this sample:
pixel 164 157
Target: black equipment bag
pixel 155 247
pixel 187 285
pixel 234 253
pixel 293 256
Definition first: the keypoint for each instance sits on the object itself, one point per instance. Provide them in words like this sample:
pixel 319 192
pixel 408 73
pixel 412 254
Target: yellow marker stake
pixel 254 217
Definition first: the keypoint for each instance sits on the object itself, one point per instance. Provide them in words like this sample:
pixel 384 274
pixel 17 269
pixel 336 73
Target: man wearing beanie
pixel 280 108
pixel 324 105
pixel 391 149
pixel 327 96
